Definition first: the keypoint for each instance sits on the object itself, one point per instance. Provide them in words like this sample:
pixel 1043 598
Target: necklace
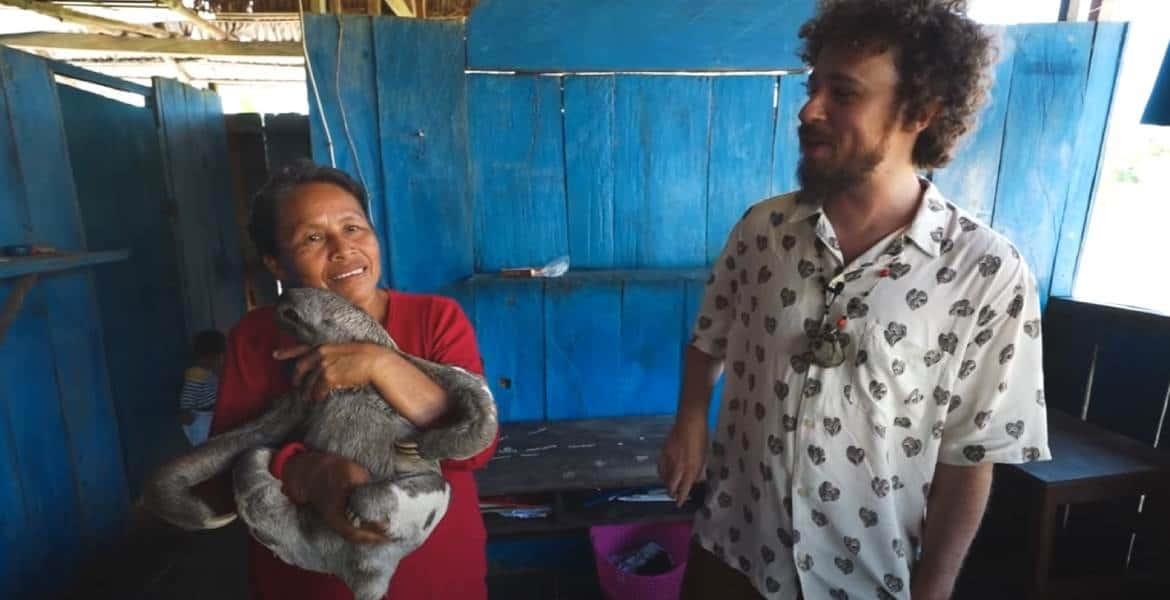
pixel 828 344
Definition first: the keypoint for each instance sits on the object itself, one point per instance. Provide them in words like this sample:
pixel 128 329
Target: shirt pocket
pixel 895 387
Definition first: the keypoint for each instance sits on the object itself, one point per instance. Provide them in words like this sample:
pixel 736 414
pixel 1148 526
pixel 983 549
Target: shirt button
pixel 803 492
pixel 809 423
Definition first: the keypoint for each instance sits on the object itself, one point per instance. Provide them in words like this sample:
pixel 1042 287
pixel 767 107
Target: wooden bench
pixel 1107 375
pixel 575 466
pixel 1089 464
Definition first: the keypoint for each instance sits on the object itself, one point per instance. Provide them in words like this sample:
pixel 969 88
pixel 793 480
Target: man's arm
pixel 958 497
pixel 684 452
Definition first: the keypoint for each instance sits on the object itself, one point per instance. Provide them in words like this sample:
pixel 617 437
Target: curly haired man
pixel 882 346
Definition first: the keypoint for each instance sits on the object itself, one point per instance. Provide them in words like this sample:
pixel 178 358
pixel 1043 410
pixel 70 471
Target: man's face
pixel 850 123
pixel 324 240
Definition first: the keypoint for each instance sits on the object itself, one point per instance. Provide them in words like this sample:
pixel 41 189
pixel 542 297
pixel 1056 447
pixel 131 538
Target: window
pixel 1007 12
pixel 1127 242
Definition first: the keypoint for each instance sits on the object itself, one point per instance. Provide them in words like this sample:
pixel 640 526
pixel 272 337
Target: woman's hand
pixel 325 481
pixel 327 367
pixel 330 366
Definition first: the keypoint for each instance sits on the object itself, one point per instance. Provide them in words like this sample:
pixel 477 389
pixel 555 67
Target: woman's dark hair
pixel 208 343
pixel 943 59
pixel 279 187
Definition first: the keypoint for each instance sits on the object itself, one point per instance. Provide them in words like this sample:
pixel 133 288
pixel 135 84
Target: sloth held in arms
pixel 406 495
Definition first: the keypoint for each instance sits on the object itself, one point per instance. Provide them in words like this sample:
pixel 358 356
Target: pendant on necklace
pixel 828 348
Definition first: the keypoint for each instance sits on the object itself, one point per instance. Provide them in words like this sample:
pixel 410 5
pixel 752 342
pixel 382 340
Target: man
pixel 883 346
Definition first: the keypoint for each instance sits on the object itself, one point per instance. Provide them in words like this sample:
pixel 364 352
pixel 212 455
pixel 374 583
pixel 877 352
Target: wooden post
pixel 401 8
pixel 171 46
pixel 317 6
pixel 335 7
pixel 374 7
pixel 89 21
pixel 196 20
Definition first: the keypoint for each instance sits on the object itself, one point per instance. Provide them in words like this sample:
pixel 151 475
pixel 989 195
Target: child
pixel 200 382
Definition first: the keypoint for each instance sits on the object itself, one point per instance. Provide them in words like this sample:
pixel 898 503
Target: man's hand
pixel 186 417
pixel 683 455
pixel 332 366
pixel 325 482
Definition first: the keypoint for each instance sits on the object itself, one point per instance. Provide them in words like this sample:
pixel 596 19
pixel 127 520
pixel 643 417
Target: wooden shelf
pixel 15 266
pixel 606 275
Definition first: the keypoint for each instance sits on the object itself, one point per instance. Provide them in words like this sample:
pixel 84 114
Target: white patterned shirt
pixel 822 474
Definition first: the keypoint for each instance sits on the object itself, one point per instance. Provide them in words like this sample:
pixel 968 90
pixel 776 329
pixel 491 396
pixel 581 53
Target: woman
pixel 310 225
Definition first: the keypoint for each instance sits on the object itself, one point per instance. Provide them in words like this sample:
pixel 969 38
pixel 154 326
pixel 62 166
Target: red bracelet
pixel 276 467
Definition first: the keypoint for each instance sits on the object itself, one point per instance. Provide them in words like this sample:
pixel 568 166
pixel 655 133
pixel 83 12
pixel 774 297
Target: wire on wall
pixel 313 85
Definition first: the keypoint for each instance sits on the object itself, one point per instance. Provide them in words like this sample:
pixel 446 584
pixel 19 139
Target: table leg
pixel 1043 528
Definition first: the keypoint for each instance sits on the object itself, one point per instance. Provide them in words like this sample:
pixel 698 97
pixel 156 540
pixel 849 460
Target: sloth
pixel 406 495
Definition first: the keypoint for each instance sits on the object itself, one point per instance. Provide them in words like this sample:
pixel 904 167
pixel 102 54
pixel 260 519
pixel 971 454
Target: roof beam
pixel 167 47
pixel 400 8
pixel 196 20
pixel 87 20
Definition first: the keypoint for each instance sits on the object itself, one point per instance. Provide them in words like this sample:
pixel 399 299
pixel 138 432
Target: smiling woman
pixel 311 228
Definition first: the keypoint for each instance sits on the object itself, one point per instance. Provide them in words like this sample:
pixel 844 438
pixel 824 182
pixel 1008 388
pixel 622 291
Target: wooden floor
pixel 170 565
pixel 212 565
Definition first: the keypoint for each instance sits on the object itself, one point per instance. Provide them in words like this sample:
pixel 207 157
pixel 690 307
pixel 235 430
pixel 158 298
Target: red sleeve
pixel 453 343
pixel 250 379
pixel 246 384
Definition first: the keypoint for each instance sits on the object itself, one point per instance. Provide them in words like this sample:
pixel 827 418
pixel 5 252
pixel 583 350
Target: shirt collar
pixel 930 222
pixel 926 230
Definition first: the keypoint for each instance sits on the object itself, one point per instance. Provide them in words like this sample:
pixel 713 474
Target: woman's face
pixel 324 240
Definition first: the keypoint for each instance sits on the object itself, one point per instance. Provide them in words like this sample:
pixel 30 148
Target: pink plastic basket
pixel 619 585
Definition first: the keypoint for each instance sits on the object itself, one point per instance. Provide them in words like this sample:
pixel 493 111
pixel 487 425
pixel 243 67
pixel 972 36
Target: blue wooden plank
pixel 693 298
pixel 740 171
pixel 635 35
pixel 114 150
pixel 582 349
pixel 75 330
pixel 517 170
pixel 1108 41
pixel 15 530
pixel 176 136
pixel 971 178
pixel 357 151
pixel 613 275
pixel 24 265
pixel 15 226
pixel 30 388
pixel 651 347
pixel 660 170
pixel 225 232
pixel 509 325
pixel 1051 64
pixel 39 137
pixel 81 394
pixel 790 98
pixel 423 137
pixel 1130 380
pixel 588 104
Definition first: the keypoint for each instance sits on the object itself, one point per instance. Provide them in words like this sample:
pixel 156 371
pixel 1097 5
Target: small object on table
pixel 16 250
pixel 22 250
pixel 653 495
pixel 554 268
pixel 648 559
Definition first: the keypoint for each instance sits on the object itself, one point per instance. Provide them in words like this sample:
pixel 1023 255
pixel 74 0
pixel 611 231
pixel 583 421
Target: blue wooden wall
pixel 63 493
pixel 579 141
pixel 121 192
pixel 193 142
pixel 91 367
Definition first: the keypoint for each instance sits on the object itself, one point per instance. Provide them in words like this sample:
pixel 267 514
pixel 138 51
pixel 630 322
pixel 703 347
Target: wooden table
pixel 570 464
pixel 1089 464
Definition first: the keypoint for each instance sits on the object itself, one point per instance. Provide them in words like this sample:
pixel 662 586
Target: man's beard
pixel 821 181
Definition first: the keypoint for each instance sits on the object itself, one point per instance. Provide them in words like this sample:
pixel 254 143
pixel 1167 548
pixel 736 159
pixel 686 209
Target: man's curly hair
pixel 942 57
